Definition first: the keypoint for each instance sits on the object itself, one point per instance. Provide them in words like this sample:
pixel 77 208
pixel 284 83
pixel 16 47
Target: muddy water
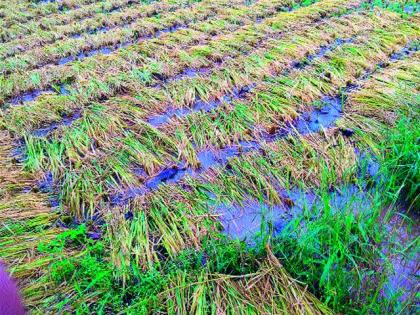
pixel 404 233
pixel 252 219
pixel 66 121
pixel 243 221
pixel 33 95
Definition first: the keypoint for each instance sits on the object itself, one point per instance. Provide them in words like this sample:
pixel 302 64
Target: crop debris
pixel 211 157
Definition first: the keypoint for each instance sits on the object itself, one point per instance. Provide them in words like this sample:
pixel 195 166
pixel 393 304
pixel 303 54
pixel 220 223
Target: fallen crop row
pixel 145 144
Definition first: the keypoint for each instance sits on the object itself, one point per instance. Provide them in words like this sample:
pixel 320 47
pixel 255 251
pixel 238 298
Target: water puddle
pixel 46 1
pixel 252 218
pixel 247 220
pixel 47 186
pixel 403 277
pixel 33 95
pixel 314 121
pixel 368 165
pixel 28 96
pixel 407 51
pixel 66 121
pixel 123 198
pixel 191 73
pixel 18 153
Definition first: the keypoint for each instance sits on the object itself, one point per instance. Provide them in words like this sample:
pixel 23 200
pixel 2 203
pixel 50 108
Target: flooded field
pixel 210 157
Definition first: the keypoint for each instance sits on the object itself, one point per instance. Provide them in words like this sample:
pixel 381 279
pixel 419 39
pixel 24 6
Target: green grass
pixel 401 161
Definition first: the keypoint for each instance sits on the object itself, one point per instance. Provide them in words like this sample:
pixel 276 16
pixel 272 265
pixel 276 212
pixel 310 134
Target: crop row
pixel 163 57
pixel 146 144
pixel 100 22
pixel 122 36
pixel 23 12
pixel 384 100
pixel 212 27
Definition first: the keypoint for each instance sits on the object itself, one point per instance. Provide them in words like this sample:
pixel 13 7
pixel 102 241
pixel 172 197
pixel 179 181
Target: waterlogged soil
pixel 33 95
pixel 244 221
pixel 322 117
pixel 252 220
pixel 405 272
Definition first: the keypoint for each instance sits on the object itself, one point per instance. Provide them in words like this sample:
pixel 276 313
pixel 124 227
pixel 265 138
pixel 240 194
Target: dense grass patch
pixel 401 161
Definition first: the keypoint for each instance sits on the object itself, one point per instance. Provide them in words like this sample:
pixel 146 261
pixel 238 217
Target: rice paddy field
pixel 211 156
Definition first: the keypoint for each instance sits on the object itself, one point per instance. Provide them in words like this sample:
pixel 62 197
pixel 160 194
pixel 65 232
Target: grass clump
pixel 401 161
pixel 335 252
